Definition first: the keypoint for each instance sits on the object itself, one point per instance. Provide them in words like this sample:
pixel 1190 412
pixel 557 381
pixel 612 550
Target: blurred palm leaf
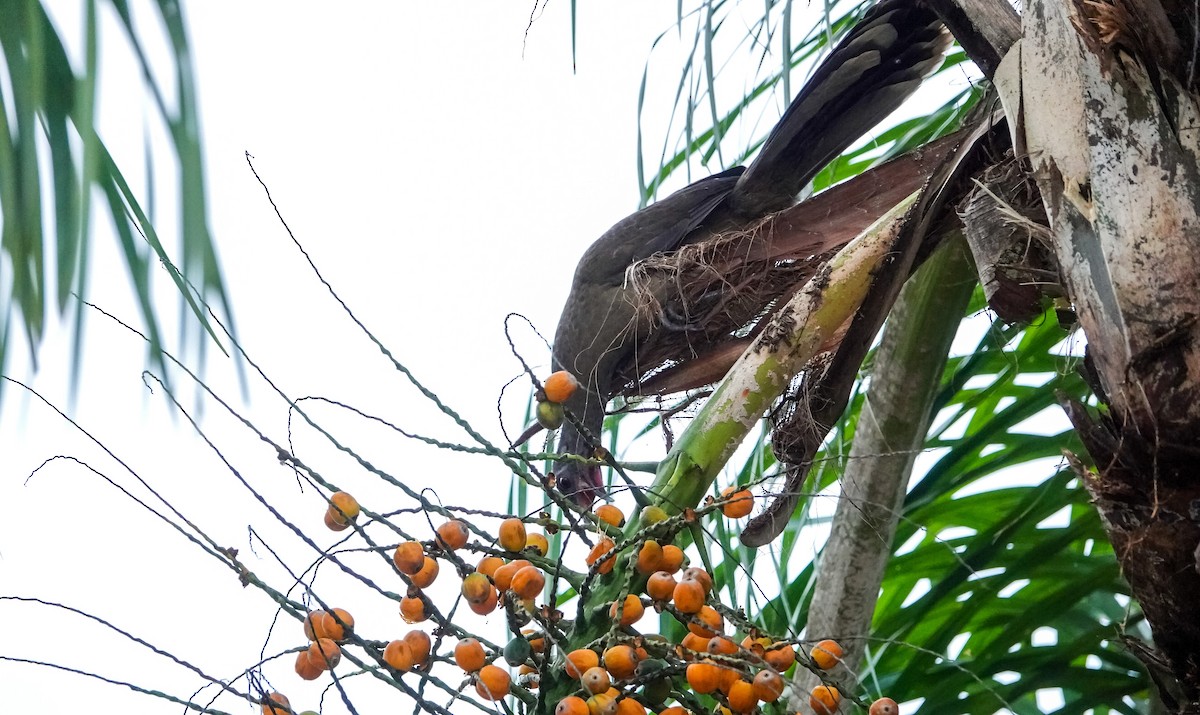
pixel 52 162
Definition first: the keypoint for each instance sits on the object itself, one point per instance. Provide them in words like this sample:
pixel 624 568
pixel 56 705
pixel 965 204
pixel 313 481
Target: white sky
pixel 442 170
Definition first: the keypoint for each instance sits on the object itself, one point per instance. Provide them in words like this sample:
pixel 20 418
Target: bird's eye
pixel 566 484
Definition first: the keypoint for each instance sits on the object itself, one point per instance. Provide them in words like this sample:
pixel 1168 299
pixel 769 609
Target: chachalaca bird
pixel 873 69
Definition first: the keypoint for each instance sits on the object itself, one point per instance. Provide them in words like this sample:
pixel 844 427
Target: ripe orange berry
pixel 306 668
pixel 693 642
pixel 476 588
pixel 488 565
pixel 660 586
pixel 325 653
pixel 409 557
pixel 629 706
pixel 579 661
pixel 704 676
pixel 538 644
pixel 756 646
pixel 512 534
pixel 824 700
pixel 571 705
pixel 504 575
pixel 276 704
pixel 347 621
pixel 560 386
pixel 412 610
pixel 399 655
pixel 721 645
pixel 313 628
pixel 604 549
pixel 698 574
pixel 738 502
pixel 453 535
pixel 343 507
pixel 493 682
pixel 538 542
pixel 487 605
pixel 729 676
pixel 884 706
pixel 602 704
pixel 688 596
pixel 741 696
pixel 674 710
pixel 780 657
pixel 420 645
pixel 332 524
pixel 428 573
pixel 707 623
pixel 768 686
pixel 610 515
pixel 596 680
pixel 672 558
pixel 649 558
pixel 528 582
pixel 469 655
pixel 621 660
pixel 631 612
pixel 827 654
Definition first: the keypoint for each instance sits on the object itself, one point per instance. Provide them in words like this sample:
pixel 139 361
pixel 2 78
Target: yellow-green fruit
pixel 652 514
pixel 550 415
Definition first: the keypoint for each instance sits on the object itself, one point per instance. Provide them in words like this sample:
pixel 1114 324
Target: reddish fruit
pixel 409 557
pixel 306 668
pixel 780 657
pixel 332 524
pixel 660 586
pixel 428 573
pixel 688 596
pixel 571 705
pixel 528 582
pixel 343 508
pixel 596 680
pixel 325 653
pixel 420 645
pixel 493 682
pixel 488 605
pixel 884 706
pixel 412 610
pixel 579 661
pixel 672 558
pixel 621 661
pixel 768 686
pixel 276 704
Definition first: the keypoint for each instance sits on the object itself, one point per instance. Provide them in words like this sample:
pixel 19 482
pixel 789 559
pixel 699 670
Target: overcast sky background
pixel 443 168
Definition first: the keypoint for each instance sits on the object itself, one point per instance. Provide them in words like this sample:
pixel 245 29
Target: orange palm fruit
pixel 884 706
pixel 428 573
pixel 325 653
pixel 602 704
pixel 469 655
pixel 649 558
pixel 412 610
pixel 629 706
pixel 596 680
pixel 698 574
pixel 528 582
pixel 409 557
pixel 693 642
pixel 621 660
pixel 453 535
pixel 688 596
pixel 824 700
pixel 780 657
pixel 768 686
pixel 721 645
pixel 660 586
pixel 579 661
pixel 333 524
pixel 610 515
pixel 493 682
pixel 538 542
pixel 741 696
pixel 476 588
pixel 571 705
pixel 707 622
pixel 306 668
pixel 704 676
pixel 420 645
pixel 488 565
pixel 737 502
pixel 399 655
pixel 487 605
pixel 560 386
pixel 512 534
pixel 276 704
pixel 343 507
pixel 672 558
pixel 631 612
pixel 826 654
pixel 603 552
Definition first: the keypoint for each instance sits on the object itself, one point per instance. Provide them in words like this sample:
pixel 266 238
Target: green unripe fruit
pixel 550 415
pixel 517 651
